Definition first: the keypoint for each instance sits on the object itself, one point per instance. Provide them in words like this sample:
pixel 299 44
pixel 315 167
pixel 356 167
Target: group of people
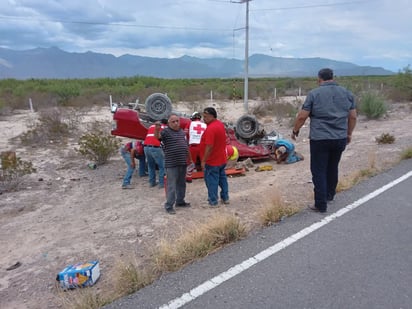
pixel 332 112
pixel 176 152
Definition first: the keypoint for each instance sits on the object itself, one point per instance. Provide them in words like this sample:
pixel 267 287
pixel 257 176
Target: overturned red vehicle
pixel 247 135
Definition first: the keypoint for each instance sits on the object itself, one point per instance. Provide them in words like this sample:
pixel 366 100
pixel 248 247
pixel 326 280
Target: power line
pixel 114 24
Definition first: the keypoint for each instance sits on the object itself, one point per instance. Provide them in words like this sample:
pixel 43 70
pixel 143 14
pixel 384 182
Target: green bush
pixel 403 84
pixel 98 146
pixel 88 92
pixel 372 105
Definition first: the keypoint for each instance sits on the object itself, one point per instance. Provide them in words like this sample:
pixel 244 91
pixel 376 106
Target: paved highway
pixel 358 255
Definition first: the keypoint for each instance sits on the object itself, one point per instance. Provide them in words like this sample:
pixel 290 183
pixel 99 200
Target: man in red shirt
pixel 213 149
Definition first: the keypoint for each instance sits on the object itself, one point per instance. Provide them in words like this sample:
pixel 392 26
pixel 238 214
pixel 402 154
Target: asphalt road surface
pixel 358 255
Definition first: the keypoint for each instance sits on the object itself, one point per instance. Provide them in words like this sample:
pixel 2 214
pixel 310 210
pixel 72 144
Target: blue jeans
pixel 155 157
pixel 176 185
pixel 129 173
pixel 215 177
pixel 325 156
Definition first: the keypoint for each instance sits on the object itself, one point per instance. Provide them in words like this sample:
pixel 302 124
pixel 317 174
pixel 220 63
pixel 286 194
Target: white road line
pixel 239 268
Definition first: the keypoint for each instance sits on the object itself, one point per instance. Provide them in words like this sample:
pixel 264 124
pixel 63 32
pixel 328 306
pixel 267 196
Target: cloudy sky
pixel 370 32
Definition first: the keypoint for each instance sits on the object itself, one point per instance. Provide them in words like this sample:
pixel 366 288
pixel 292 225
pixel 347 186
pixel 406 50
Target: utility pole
pixel 246 88
pixel 245 101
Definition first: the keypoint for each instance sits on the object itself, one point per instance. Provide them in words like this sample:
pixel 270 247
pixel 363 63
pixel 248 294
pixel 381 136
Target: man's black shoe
pixel 315 209
pixel 183 204
pixel 170 211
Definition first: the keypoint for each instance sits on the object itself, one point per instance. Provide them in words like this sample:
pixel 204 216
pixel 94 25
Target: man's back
pixel 329 107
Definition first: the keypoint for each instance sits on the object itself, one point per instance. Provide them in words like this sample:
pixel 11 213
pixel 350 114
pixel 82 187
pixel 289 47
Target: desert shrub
pixel 275 209
pixel 406 154
pixel 130 278
pixel 12 171
pixel 98 146
pixel 385 138
pixel 372 105
pixel 279 109
pixel 359 175
pixel 82 299
pixel 53 125
pixel 49 128
pixel 403 84
pixel 197 243
pixel 66 91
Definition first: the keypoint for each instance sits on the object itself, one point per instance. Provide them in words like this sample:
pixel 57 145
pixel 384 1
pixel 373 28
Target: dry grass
pixel 406 154
pixel 275 210
pixel 347 182
pixel 84 298
pixel 129 277
pixel 197 243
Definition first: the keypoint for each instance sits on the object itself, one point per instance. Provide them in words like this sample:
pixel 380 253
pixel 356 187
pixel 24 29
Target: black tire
pixel 247 127
pixel 158 106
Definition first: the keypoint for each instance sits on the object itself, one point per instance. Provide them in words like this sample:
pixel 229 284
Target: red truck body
pixel 129 123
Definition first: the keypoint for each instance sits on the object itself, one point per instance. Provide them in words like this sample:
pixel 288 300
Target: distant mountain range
pixel 54 63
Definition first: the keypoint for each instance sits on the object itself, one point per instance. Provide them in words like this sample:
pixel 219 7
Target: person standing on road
pixel 129 152
pixel 332 112
pixel 177 155
pixel 195 131
pixel 213 150
pixel 154 155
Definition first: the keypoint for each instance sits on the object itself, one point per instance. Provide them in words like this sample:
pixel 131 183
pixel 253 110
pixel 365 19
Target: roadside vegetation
pixel 372 105
pixel 97 144
pixel 276 210
pixel 406 154
pixel 12 170
pixel 16 94
pixel 194 243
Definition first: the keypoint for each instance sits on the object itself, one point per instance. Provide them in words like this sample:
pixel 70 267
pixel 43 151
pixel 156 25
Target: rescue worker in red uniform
pixel 194 131
pixel 154 156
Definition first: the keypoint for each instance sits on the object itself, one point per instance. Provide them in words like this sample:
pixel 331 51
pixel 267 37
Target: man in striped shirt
pixel 176 151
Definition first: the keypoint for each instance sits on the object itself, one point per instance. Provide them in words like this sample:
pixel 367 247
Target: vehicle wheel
pixel 247 126
pixel 158 106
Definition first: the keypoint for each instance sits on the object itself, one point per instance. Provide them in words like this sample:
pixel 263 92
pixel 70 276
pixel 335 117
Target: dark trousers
pixel 176 186
pixel 324 161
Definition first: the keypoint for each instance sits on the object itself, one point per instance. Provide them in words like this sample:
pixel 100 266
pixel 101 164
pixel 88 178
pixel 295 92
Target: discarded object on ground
pixel 264 168
pixel 14 266
pixel 79 275
pixel 92 166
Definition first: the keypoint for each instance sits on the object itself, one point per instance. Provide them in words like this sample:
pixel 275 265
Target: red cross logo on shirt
pixel 199 129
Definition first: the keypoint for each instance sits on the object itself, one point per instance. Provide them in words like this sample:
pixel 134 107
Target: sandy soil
pixel 67 213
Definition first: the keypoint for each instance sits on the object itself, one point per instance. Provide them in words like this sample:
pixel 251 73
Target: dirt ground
pixel 67 213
